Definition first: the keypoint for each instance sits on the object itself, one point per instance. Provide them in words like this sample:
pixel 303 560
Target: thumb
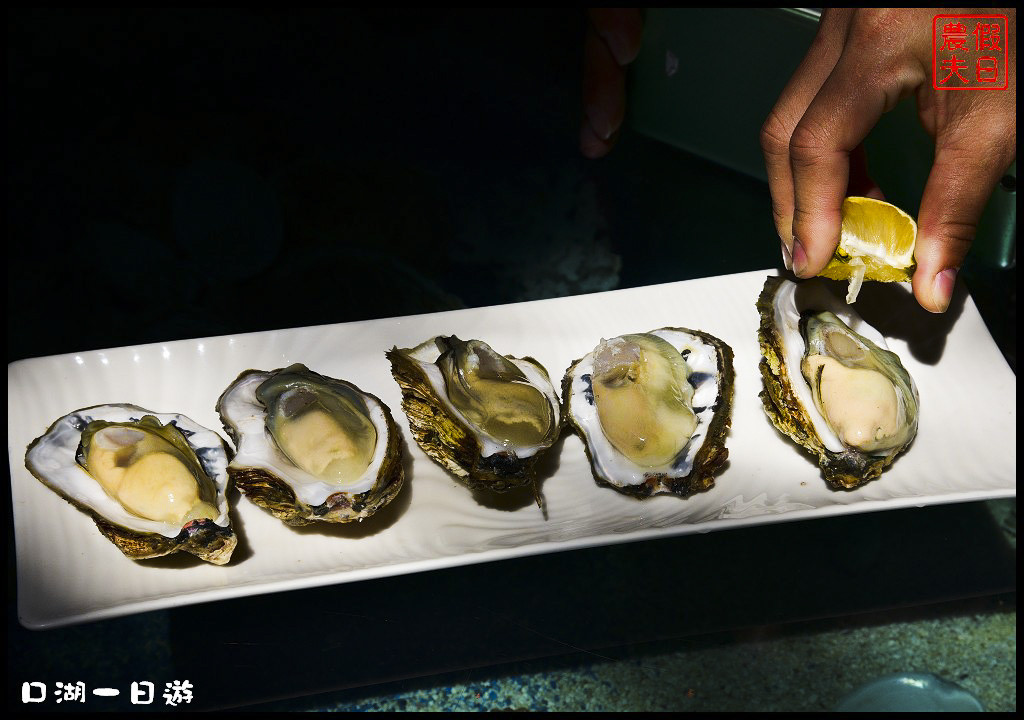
pixel 963 176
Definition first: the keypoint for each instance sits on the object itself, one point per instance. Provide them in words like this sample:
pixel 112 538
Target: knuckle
pixel 801 216
pixel 955 235
pixel 808 144
pixel 993 133
pixel 890 28
pixel 870 22
pixel 775 135
pixel 965 172
pixel 804 226
pixel 779 212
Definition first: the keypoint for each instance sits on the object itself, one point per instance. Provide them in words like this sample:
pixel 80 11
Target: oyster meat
pixel 310 447
pixel 653 410
pixel 486 418
pixel 831 383
pixel 153 483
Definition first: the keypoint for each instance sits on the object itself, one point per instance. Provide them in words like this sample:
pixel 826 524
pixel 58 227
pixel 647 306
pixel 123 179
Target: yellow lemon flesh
pixel 876 243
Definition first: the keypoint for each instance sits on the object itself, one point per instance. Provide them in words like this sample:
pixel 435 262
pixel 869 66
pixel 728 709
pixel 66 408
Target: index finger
pixel 860 88
pixel 778 128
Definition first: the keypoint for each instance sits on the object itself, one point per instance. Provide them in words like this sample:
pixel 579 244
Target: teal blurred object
pixel 910 692
pixel 706 79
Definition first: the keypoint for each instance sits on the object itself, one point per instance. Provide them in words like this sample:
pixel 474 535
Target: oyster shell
pixel 831 383
pixel 653 410
pixel 486 418
pixel 153 483
pixel 310 447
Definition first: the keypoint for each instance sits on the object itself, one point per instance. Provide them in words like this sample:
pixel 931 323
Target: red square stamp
pixel 969 52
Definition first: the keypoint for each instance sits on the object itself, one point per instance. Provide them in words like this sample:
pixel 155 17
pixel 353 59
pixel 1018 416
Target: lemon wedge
pixel 876 243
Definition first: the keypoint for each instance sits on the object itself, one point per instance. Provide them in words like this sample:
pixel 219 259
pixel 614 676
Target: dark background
pixel 178 174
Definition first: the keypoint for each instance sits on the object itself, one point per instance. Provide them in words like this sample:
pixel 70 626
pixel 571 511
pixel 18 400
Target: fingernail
pixel 942 289
pixel 799 258
pixel 787 256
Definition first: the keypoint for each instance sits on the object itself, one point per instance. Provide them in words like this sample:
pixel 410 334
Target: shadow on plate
pixel 892 310
pixel 521 497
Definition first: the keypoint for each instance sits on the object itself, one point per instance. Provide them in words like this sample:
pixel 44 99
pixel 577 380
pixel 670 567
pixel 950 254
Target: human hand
pixel 612 42
pixel 861 63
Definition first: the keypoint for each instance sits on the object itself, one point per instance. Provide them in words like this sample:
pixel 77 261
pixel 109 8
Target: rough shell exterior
pixel 453 445
pixel 273 493
pixel 842 470
pixel 203 538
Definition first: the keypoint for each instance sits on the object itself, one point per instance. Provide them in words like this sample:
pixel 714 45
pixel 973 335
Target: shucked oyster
pixel 831 384
pixel 486 418
pixel 653 410
pixel 309 447
pixel 153 483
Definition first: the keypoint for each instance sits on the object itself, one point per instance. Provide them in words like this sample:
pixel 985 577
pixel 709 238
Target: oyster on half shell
pixel 486 418
pixel 653 410
pixel 831 383
pixel 310 447
pixel 153 483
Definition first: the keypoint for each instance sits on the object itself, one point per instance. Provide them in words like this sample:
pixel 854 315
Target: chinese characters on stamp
pixel 969 52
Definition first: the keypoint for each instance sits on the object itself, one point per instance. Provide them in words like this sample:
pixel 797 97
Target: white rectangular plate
pixel 68 573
